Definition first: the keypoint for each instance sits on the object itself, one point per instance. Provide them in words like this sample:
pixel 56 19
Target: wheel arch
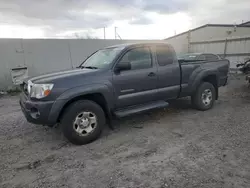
pixel 208 76
pixel 95 97
pixel 99 93
pixel 212 78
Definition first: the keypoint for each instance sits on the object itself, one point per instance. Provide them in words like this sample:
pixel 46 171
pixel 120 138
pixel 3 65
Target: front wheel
pixel 82 122
pixel 204 97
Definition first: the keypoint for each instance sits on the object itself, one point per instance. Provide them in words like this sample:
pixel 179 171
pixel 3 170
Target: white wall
pixel 46 55
pixel 11 55
pixel 207 47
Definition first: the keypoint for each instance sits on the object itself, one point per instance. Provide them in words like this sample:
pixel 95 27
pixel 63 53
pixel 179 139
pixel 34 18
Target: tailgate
pixel 223 68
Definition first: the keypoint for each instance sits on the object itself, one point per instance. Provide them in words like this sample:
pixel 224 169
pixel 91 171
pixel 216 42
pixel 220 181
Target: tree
pixel 84 36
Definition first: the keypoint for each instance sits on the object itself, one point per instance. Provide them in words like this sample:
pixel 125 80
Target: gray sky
pixel 152 19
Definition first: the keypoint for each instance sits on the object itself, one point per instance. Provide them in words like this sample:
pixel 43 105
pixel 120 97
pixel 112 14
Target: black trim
pixel 20 68
pixel 140 108
pixel 244 24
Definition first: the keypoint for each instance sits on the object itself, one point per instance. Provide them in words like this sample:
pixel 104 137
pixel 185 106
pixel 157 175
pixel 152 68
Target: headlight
pixel 40 90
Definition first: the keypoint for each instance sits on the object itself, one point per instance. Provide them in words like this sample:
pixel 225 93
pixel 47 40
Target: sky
pixel 134 19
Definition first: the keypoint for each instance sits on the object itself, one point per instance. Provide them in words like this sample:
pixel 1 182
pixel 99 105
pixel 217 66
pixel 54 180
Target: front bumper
pixel 36 112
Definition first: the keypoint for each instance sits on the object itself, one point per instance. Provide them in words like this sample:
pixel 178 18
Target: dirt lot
pixel 175 147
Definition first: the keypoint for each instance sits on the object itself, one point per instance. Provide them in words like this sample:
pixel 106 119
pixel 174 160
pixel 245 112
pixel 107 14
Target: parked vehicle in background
pixel 193 57
pixel 118 81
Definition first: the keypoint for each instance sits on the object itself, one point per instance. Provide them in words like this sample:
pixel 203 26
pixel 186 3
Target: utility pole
pixel 104 32
pixel 117 35
pixel 115 32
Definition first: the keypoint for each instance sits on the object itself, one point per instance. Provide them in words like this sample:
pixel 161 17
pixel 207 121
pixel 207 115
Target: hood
pixel 51 77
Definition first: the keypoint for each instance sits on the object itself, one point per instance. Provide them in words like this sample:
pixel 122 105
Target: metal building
pixel 228 41
pixel 182 42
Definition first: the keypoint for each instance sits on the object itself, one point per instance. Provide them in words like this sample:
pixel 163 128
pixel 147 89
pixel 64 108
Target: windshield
pixel 101 59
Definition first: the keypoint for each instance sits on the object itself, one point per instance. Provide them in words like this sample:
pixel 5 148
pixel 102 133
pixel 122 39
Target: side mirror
pixel 123 66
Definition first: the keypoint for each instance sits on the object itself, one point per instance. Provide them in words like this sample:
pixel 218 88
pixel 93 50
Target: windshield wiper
pixel 88 67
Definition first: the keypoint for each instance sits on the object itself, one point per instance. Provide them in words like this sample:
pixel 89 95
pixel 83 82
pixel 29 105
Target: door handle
pixel 151 74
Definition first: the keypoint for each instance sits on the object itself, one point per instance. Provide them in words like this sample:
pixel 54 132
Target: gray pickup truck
pixel 118 81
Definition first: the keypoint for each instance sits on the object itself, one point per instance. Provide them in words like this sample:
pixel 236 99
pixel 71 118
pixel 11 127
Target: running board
pixel 140 108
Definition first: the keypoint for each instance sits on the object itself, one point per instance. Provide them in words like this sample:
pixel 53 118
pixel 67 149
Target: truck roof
pixel 124 45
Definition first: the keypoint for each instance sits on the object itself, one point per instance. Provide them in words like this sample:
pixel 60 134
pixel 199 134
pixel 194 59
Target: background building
pixel 227 40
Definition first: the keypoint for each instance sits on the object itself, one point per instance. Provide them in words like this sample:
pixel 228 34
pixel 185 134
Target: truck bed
pixel 191 70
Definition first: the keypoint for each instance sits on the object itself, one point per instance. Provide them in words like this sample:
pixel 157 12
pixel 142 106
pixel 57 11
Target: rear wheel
pixel 204 97
pixel 82 122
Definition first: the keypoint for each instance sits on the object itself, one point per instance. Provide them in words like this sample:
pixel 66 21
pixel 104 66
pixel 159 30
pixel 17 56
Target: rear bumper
pixel 36 112
pixel 223 81
pixel 226 82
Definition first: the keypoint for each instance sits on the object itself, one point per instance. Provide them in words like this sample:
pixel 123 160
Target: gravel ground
pixel 175 147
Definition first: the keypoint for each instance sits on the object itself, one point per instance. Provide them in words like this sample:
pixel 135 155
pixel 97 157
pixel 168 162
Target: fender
pixel 79 91
pixel 197 78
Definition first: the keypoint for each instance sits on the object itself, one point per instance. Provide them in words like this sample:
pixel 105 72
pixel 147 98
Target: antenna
pixel 116 34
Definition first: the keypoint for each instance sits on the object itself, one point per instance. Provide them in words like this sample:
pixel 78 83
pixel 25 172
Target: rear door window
pixel 164 55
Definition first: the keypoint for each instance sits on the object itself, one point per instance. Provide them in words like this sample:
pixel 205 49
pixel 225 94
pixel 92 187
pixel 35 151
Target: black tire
pixel 72 112
pixel 197 100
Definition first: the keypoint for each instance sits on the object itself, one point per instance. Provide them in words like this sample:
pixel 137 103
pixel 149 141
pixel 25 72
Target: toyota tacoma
pixel 118 81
